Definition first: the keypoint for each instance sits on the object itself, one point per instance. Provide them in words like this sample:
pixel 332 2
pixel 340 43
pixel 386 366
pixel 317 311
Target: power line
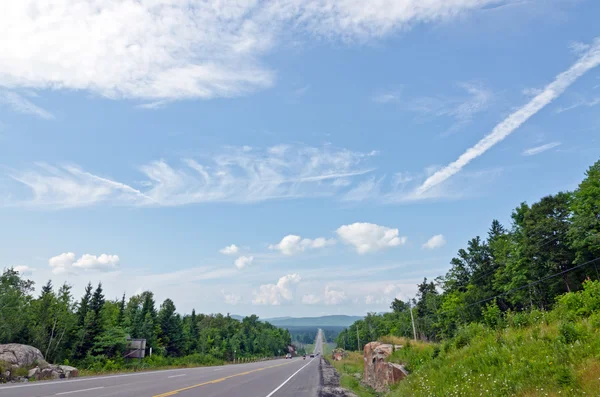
pixel 524 286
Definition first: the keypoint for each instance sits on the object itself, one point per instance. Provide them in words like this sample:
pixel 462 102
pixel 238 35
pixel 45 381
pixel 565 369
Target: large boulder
pixel 378 373
pixel 22 356
pixel 14 356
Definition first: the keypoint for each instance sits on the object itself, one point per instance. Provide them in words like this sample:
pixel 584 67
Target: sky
pixel 283 158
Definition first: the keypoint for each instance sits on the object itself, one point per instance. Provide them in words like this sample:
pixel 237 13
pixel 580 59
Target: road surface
pixel 275 378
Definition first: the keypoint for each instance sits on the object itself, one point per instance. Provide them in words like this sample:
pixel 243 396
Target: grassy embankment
pixel 535 353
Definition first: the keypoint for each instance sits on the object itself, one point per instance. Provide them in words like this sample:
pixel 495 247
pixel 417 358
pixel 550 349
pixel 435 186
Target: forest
pixel 92 332
pixel 550 248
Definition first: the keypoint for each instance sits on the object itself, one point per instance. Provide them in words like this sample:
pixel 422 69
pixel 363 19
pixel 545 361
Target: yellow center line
pixel 171 393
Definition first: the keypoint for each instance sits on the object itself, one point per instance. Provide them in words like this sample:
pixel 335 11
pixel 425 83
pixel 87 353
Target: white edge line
pixel 78 391
pixel 176 376
pixel 101 377
pixel 288 379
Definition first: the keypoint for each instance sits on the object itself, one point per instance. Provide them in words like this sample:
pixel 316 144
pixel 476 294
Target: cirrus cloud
pixel 175 49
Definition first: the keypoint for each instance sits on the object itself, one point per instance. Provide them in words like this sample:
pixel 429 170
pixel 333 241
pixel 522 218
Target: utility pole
pixel 412 319
pixel 357 338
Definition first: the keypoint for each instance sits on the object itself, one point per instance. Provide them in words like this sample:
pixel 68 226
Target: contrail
pixel 589 60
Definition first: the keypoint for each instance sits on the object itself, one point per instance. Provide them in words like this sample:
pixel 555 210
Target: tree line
pixel 95 330
pixel 551 247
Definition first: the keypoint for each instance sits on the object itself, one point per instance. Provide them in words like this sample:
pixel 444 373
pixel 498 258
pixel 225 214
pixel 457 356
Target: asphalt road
pixel 275 378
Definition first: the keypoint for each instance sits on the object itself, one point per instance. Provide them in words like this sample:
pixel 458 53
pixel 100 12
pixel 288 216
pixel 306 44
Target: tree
pixel 15 299
pixel 171 329
pixel 584 233
pixel 121 316
pixel 398 306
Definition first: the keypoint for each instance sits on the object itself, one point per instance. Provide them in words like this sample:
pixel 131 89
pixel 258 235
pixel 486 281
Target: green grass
pixel 530 354
pixel 351 371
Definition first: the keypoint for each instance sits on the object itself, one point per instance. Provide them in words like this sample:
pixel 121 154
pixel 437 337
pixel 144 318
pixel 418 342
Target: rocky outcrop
pixel 378 373
pixel 338 354
pixel 17 360
pixel 21 356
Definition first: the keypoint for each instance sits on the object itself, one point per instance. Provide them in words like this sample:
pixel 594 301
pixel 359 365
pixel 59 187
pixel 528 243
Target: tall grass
pixel 351 372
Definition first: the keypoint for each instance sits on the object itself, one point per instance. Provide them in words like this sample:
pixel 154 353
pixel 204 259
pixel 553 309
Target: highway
pixel 295 377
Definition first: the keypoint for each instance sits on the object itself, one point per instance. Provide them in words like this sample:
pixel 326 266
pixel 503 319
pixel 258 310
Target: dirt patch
pixel 330 382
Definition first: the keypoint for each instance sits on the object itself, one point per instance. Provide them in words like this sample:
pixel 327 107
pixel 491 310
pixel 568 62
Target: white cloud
pixel 589 60
pixel 61 263
pixel 292 244
pixel 435 242
pixel 539 149
pixel 368 237
pixel 310 299
pixel 230 250
pixel 173 49
pixel 103 262
pixel 66 262
pixel 22 105
pixel 237 175
pixel 23 270
pixel 334 297
pixel 276 294
pixel 243 261
pixel 231 299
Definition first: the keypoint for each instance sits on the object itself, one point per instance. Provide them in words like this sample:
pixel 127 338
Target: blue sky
pixel 283 158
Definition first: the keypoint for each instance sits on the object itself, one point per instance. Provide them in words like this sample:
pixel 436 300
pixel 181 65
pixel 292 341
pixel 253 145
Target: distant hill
pixel 323 321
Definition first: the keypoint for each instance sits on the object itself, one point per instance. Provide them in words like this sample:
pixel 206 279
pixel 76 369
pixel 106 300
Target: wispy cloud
pixel 589 60
pixel 539 149
pixel 387 97
pixel 461 109
pixel 174 49
pixel 20 104
pixel 582 102
pixel 241 175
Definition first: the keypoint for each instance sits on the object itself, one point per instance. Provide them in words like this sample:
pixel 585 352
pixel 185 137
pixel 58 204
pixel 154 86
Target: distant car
pixel 289 355
pixel 312 356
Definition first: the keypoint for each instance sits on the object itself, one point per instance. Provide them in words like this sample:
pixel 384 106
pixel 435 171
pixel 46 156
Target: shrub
pixel 568 333
pixel 492 315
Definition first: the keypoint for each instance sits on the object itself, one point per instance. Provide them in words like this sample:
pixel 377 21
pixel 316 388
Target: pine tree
pixel 121 316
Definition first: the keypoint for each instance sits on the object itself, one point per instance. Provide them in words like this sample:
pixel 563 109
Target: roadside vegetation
pixel 518 313
pixel 532 353
pixel 351 372
pixel 91 333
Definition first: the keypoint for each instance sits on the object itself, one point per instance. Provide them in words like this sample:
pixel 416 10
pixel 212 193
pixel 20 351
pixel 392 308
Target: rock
pixel 68 371
pixel 378 373
pixel 34 373
pixel 338 354
pixel 20 355
pixel 46 373
pixel 330 382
